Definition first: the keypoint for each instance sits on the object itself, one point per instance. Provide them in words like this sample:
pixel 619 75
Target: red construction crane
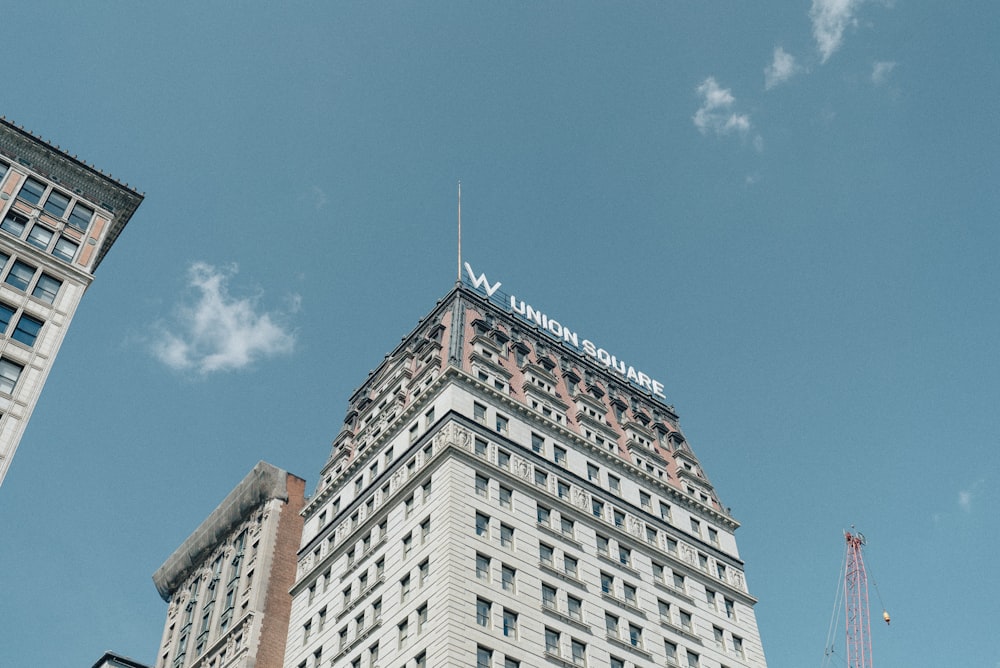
pixel 856 609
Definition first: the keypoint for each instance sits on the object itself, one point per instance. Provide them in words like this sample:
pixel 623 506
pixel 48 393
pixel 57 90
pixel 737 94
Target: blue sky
pixel 786 213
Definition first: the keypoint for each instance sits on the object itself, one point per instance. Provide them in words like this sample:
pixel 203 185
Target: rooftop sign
pixel 564 334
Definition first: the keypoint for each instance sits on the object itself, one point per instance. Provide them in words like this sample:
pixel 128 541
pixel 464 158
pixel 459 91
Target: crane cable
pixel 837 602
pixel 878 594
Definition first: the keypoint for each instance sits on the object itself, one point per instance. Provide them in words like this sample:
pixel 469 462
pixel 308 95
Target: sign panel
pixel 565 335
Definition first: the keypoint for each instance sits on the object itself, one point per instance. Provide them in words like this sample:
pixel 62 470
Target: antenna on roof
pixel 459 231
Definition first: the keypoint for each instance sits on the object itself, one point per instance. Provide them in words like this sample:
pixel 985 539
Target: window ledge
pixel 562 616
pixel 630 647
pixel 562 575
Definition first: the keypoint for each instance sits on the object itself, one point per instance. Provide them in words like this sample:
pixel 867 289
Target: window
pixel 32 191
pixel 502 424
pixel 6 315
pixel 20 275
pixel 562 489
pixel 483 612
pixel 559 455
pixel 14 223
pixel 421 617
pixel 359 623
pixel 506 536
pixel 593 473
pixel 645 500
pixel 65 249
pixel 56 203
pixel 373 654
pixel 537 443
pixel 40 237
pixel 566 526
pixel 703 562
pixel 665 511
pixel 631 596
pixel 482 525
pixel 503 459
pixel 650 534
pixel 80 217
pixel 322 619
pixel 543 515
pixel 510 624
pixel 686 621
pixel 479 413
pixel 548 596
pixel 619 517
pixel 695 527
pixel 508 579
pixel 678 581
pixel 429 417
pixel 480 446
pixel 579 651
pixel 635 635
pixel 424 570
pixel 403 631
pixel 611 624
pixel 484 657
pixel 617 663
pixel 625 555
pixel 407 546
pixel 738 647
pixel 692 659
pixel 720 570
pixel 483 567
pixel 730 609
pixel 306 632
pixel 710 598
pixel 552 641
pixel 511 663
pixel 482 486
pixel 603 545
pixel 713 536
pixel 574 607
pixel 597 507
pixel 664 609
pixel 545 553
pixel 670 648
pixel 505 497
pixel 607 584
pixel 671 546
pixel 421 660
pixel 541 478
pixel 570 565
pixel 27 329
pixel 9 374
pixel 46 288
pixel 404 589
pixel 614 484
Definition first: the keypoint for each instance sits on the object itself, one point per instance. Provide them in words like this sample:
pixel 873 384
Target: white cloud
pixel 781 69
pixel 829 20
pixel 716 113
pixel 881 71
pixel 968 497
pixel 214 331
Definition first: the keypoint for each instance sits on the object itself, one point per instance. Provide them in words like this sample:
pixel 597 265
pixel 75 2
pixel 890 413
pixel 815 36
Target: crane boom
pixel 859 647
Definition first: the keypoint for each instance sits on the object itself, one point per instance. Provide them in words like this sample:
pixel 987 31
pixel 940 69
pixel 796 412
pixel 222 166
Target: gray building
pixel 58 219
pixel 507 494
pixel 227 584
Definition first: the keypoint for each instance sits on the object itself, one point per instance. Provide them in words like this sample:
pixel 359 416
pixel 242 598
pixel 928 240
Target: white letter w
pixel 480 281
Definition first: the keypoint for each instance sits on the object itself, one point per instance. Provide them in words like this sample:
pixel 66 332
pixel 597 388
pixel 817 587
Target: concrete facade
pixel 498 499
pixel 227 584
pixel 58 219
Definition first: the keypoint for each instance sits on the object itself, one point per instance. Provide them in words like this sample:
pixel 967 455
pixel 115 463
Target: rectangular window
pixel 738 647
pixel 631 594
pixel 545 553
pixel 645 500
pixel 607 584
pixel 482 486
pixel 510 624
pixel 407 546
pixel 625 555
pixel 14 223
pixel 713 536
pixel 567 527
pixel 603 545
pixel 503 459
pixel 482 525
pixel 505 497
pixel 664 511
pixel 695 527
pixel 619 517
pixel 6 315
pixel 27 329
pixel 403 632
pixel 635 635
pixel 570 565
pixel 579 651
pixel 552 642
pixel 40 237
pixel 80 217
pixel 502 423
pixel 664 608
pixel 10 372
pixel 508 579
pixel 425 531
pixel 404 589
pixel 597 507
pixel 730 609
pixel 541 478
pixel 537 443
pixel 483 567
pixel 20 275
pixel 574 607
pixel 421 617
pixel 32 191
pixel 718 638
pixel 548 596
pixel 614 484
pixel 480 447
pixel 543 515
pixel 483 612
pixel 686 621
pixel 424 569
pixel 56 203
pixel 611 624
pixel 593 473
pixel 484 657
pixel 678 581
pixel 479 413
pixel 693 659
pixel 562 489
pixel 617 663
pixel 511 663
pixel 421 660
pixel 559 455
pixel 670 648
pixel 506 536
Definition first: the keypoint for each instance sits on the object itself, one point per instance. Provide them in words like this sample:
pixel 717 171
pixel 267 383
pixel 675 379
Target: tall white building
pixel 58 219
pixel 506 493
